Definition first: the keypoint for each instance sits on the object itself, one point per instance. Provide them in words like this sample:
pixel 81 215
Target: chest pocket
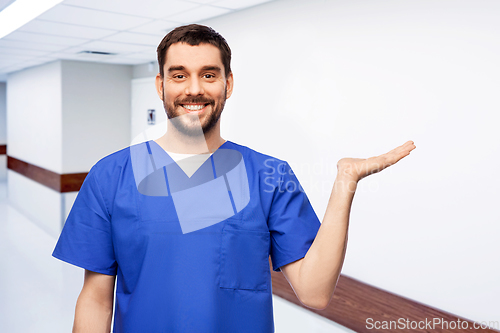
pixel 244 260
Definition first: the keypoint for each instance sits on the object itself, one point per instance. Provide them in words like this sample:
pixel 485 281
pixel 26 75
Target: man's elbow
pixel 319 303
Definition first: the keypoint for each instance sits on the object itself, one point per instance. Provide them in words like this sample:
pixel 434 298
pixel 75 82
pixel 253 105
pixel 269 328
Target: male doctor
pixel 189 250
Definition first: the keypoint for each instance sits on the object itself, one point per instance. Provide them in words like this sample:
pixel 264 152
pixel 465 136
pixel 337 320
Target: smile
pixel 194 108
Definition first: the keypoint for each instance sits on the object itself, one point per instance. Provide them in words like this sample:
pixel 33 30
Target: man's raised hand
pixel 356 169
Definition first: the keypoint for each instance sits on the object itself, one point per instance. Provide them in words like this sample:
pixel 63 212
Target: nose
pixel 194 87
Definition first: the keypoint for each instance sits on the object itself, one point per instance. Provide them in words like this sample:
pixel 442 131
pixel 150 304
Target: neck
pixel 178 142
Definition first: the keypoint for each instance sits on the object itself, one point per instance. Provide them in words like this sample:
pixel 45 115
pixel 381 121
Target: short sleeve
pixel 292 222
pixel 86 239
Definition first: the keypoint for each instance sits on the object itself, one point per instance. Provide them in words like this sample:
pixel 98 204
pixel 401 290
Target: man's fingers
pixel 399 152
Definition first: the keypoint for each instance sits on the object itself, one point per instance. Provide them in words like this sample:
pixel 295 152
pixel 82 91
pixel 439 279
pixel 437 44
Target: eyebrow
pixel 204 68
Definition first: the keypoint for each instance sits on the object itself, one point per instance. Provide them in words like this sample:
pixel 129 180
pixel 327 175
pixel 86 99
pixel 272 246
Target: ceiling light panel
pixel 21 12
pixel 151 8
pixel 92 18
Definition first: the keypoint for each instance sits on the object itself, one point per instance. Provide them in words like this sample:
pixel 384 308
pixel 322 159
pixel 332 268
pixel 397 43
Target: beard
pixel 188 124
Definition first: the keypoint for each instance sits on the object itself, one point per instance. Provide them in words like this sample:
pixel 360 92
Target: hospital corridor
pixel 183 152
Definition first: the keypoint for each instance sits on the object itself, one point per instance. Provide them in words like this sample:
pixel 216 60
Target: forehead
pixel 192 56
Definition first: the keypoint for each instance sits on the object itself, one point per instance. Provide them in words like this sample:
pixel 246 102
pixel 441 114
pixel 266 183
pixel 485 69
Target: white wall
pixel 34 122
pixel 144 97
pixel 320 80
pixel 63 116
pixel 96 112
pixel 34 134
pixel 42 205
pixel 149 69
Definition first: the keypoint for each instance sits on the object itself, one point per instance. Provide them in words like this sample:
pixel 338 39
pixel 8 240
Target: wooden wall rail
pixel 70 182
pixel 3 149
pixel 354 302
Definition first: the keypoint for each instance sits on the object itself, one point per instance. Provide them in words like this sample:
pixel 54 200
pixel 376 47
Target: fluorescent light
pixel 21 12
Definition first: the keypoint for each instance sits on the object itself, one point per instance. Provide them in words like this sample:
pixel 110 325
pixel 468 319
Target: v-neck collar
pixel 165 159
pixel 166 152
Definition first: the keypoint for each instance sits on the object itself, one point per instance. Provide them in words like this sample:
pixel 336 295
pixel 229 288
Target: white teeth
pixel 194 107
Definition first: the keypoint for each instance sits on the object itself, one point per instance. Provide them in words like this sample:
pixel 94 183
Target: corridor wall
pixel 63 117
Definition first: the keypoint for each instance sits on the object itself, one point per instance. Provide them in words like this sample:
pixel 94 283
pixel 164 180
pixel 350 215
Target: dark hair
pixel 195 34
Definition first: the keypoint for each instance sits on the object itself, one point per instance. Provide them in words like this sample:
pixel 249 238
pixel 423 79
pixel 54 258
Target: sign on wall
pixel 151 117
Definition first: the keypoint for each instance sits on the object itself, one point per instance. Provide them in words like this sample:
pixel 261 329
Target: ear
pixel 229 85
pixel 159 85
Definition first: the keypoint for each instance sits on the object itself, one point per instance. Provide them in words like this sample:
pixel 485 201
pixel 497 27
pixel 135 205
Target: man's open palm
pixel 358 168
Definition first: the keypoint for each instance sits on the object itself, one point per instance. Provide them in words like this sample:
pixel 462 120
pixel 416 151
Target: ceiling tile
pixel 42 38
pixel 157 27
pixel 125 61
pixel 149 8
pixel 198 14
pixel 69 56
pixel 11 69
pixel 8 62
pixel 38 61
pixel 14 51
pixel 134 38
pixel 130 28
pixel 111 47
pixel 88 57
pixel 204 2
pixel 30 45
pixel 92 18
pixel 24 63
pixel 238 4
pixel 12 58
pixel 149 56
pixel 68 30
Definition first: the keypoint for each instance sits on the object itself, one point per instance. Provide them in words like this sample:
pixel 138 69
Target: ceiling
pixel 128 29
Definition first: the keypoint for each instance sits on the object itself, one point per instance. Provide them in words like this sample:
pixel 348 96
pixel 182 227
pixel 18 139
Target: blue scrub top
pixel 175 273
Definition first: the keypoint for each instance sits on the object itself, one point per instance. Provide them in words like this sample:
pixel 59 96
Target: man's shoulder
pixel 111 164
pixel 119 156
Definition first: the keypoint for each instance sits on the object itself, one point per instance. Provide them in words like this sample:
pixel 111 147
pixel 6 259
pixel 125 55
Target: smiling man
pixel 190 251
pixel 194 81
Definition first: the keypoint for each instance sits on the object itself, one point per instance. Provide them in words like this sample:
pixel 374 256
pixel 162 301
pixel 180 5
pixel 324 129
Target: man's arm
pixel 94 307
pixel 315 276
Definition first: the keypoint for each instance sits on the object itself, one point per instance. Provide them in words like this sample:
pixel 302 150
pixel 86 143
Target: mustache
pixel 195 100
